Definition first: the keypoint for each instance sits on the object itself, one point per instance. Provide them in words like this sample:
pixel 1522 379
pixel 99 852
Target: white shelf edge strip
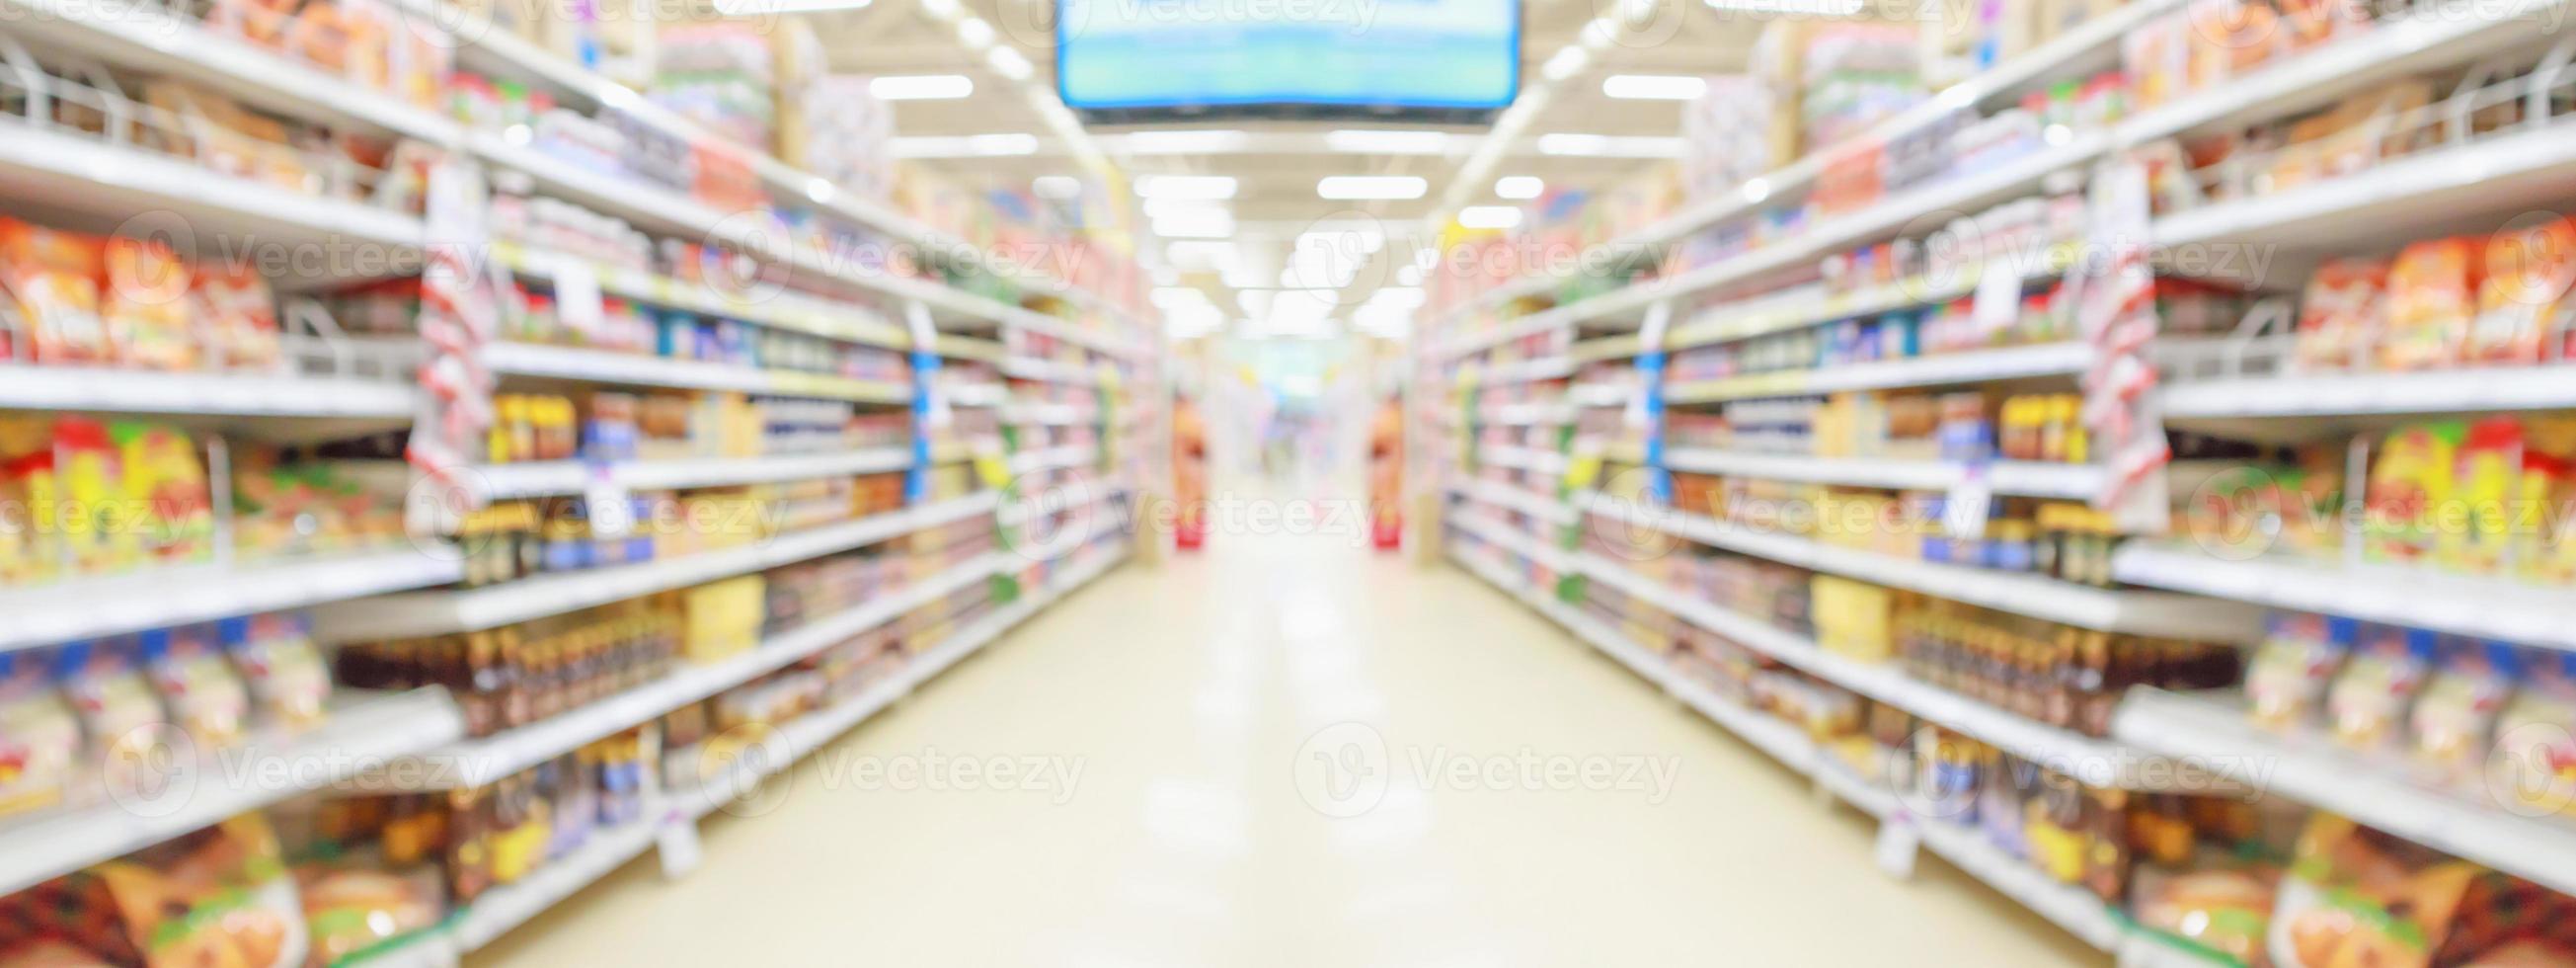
pixel 2143 613
pixel 505 481
pixel 2028 479
pixel 51 614
pixel 567 363
pixel 2542 387
pixel 2100 763
pixel 441 612
pixel 2489 607
pixel 2071 908
pixel 480 761
pixel 2023 362
pixel 265 770
pixel 213 394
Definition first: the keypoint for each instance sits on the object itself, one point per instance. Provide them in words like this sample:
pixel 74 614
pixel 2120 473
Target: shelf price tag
pixel 1998 304
pixel 1970 501
pixel 607 504
pixel 1898 843
pixel 577 301
pixel 676 844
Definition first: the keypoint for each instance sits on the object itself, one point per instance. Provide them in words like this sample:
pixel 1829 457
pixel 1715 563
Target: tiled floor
pixel 1287 751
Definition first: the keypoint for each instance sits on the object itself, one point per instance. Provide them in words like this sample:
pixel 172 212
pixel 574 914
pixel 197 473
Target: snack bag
pixel 350 907
pixel 2409 485
pixel 2225 910
pixel 2432 296
pixel 2545 552
pixel 2508 922
pixel 2489 479
pixel 2360 897
pixel 2532 768
pixel 55 278
pixel 164 489
pixel 288 680
pixel 39 737
pixel 2342 312
pixel 236 317
pixel 219 896
pixel 2454 720
pixel 117 708
pixel 2367 707
pixel 97 531
pixel 30 537
pixel 2294 665
pixel 205 697
pixel 145 305
pixel 2523 298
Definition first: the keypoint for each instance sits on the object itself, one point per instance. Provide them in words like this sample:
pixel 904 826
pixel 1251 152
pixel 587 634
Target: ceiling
pixel 1277 164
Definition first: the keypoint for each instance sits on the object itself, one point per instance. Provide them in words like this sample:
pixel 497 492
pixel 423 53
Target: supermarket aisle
pixel 1194 701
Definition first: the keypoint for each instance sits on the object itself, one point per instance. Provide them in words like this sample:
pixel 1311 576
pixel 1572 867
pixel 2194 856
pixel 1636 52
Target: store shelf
pixel 969 348
pixel 1525 414
pixel 506 481
pixel 2551 387
pixel 976 395
pixel 1050 371
pixel 2378 791
pixel 1527 502
pixel 1812 305
pixel 2390 50
pixel 1509 539
pixel 2076 910
pixel 1055 458
pixel 2141 613
pixel 363 729
pixel 50 614
pixel 1051 414
pixel 2488 607
pixel 2016 363
pixel 1521 458
pixel 479 762
pixel 1525 371
pixel 2399 199
pixel 2100 763
pixel 115 181
pixel 635 369
pixel 2025 479
pixel 812 732
pixel 465 610
pixel 208 394
pixel 782 310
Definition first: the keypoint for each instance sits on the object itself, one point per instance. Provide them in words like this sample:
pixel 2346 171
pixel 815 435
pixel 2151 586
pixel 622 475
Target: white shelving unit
pixel 64 611
pixel 505 481
pixel 215 785
pixel 2489 607
pixel 2021 478
pixel 205 394
pixel 635 369
pixel 442 612
pixel 2142 613
pixel 1984 366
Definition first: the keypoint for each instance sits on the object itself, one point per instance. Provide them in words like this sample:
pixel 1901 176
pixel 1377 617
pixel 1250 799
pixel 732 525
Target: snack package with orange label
pixel 2432 296
pixel 53 279
pixel 2523 298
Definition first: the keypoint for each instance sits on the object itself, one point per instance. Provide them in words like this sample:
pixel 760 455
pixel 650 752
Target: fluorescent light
pixel 1190 142
pixel 1831 8
pixel 1056 186
pixel 1168 207
pixel 970 146
pixel 1175 297
pixel 1387 142
pixel 1355 188
pixel 1201 255
pixel 1608 146
pixel 921 87
pixel 820 191
pixel 1201 187
pixel 1401 297
pixel 1409 274
pixel 1204 223
pixel 1757 189
pixel 1567 62
pixel 753 8
pixel 948 10
pixel 975 32
pixel 1489 216
pixel 1519 187
pixel 1654 87
pixel 1010 63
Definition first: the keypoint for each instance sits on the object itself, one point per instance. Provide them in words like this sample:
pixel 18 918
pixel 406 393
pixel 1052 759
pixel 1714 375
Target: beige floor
pixel 1203 830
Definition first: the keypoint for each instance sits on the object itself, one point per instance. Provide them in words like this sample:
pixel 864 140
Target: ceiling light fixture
pixel 1608 146
pixel 757 8
pixel 1519 187
pixel 1823 8
pixel 1175 297
pixel 1367 188
pixel 1057 187
pixel 975 32
pixel 1366 142
pixel 1654 87
pixel 1205 223
pixel 1193 142
pixel 1168 207
pixel 1489 216
pixel 1567 62
pixel 921 87
pixel 969 146
pixel 1198 187
pixel 1010 63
